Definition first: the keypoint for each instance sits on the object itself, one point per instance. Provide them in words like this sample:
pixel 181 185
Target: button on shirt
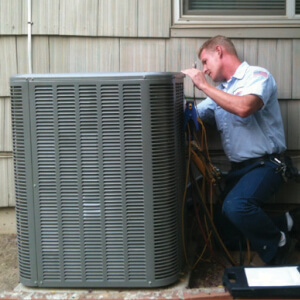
pixel 258 134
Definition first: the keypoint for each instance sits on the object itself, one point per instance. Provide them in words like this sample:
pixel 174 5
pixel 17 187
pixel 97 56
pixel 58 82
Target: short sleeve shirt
pixel 258 134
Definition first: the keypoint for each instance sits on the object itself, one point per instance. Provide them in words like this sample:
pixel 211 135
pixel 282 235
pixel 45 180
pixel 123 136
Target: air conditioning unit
pixel 99 176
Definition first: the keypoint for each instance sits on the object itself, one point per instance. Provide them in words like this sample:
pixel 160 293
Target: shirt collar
pixel 241 70
pixel 239 73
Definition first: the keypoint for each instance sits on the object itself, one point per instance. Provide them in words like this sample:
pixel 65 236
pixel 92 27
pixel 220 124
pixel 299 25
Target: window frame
pixel 290 19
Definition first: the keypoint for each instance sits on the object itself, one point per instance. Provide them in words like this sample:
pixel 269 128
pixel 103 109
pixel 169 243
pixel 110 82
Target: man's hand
pixel 242 106
pixel 197 77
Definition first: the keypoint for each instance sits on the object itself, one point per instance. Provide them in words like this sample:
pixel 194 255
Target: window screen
pixel 297 7
pixel 236 7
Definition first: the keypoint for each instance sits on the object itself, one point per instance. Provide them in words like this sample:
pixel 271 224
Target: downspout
pixel 29 48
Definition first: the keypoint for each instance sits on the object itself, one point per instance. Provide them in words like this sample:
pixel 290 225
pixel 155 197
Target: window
pixel 297 7
pixel 263 12
pixel 232 7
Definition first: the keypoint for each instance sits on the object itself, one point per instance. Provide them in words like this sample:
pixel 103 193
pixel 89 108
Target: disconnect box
pixel 99 166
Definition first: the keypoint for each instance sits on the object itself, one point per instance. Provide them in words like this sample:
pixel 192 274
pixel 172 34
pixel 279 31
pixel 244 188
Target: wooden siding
pixel 11 16
pixel 118 18
pixel 8 63
pixel 122 18
pixel 78 17
pixel 83 55
pixel 296 69
pixel 142 55
pixel 7 194
pixel 46 16
pixel 157 21
pixel 5 125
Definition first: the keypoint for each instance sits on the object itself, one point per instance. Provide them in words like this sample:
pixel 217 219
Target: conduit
pixel 29 48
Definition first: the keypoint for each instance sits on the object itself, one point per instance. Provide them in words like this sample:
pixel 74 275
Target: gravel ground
pixel 9 272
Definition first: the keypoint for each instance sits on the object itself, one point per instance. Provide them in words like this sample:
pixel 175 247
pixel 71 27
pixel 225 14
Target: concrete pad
pixel 8 221
pixel 176 291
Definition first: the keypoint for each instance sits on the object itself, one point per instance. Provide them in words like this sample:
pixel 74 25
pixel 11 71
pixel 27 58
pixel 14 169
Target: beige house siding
pixel 126 36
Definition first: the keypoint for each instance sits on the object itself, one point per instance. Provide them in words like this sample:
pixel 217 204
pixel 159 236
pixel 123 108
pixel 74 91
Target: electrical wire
pixel 198 154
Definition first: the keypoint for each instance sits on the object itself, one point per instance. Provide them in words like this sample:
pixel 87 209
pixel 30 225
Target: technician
pixel 245 108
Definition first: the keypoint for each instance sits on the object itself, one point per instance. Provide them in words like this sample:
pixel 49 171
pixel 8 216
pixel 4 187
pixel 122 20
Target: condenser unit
pixel 99 176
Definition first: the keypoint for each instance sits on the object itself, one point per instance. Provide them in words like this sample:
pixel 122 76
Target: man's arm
pixel 243 106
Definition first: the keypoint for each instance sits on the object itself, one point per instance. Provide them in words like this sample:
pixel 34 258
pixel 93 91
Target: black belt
pixel 248 162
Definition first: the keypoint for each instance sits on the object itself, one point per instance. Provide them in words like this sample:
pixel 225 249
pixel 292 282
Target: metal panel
pixel 118 18
pixel 165 217
pixel 78 17
pixel 106 199
pixel 45 16
pixel 23 180
pixel 154 18
pixel 142 55
pixel 84 54
pixel 5 126
pixel 8 63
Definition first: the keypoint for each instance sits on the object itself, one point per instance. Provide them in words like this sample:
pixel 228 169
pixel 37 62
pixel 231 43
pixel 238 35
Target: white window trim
pixel 290 19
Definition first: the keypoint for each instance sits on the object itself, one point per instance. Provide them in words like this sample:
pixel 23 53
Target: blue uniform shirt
pixel 258 134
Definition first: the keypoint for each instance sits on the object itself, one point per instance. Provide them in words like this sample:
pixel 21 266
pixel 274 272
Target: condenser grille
pixel 20 182
pixel 112 182
pixel 69 182
pixel 164 180
pixel 47 178
pixel 100 158
pixel 90 178
pixel 134 182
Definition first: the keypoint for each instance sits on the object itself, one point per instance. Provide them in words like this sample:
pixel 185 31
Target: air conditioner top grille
pixel 103 76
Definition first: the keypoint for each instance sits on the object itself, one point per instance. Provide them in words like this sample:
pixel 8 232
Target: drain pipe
pixel 29 26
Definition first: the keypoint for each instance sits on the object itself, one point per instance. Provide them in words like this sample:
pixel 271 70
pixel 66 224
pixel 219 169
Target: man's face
pixel 212 64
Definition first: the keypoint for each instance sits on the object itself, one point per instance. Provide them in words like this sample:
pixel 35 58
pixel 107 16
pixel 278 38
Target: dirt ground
pixel 206 273
pixel 9 272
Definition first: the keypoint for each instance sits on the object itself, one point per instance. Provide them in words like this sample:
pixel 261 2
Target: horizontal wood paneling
pixel 293 124
pixel 11 16
pixel 283 73
pixel 113 18
pixel 45 16
pixel 78 17
pixel 296 69
pixel 7 194
pixel 8 63
pixel 83 54
pixel 154 18
pixel 189 57
pixel 5 125
pixel 142 55
pixel 40 55
pixel 118 18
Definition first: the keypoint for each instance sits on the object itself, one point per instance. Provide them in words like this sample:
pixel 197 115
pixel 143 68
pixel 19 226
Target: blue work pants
pixel 250 188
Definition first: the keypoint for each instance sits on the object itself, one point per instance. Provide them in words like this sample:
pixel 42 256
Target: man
pixel 247 114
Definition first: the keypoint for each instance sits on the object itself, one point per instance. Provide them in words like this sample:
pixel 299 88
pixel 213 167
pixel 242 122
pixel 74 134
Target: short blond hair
pixel 218 40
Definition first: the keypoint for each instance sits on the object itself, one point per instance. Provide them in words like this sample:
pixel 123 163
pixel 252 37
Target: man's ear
pixel 219 50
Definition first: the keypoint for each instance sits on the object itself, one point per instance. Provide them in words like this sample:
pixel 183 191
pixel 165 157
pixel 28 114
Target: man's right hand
pixel 197 77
